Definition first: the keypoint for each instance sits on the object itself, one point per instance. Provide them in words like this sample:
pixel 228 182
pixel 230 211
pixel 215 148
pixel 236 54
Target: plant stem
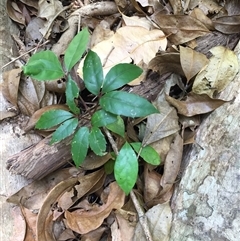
pixel 142 217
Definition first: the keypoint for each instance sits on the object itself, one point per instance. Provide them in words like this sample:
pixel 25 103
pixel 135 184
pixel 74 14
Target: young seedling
pixel 107 113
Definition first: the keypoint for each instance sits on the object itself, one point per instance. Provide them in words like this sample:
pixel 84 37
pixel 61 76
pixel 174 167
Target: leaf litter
pixel 87 203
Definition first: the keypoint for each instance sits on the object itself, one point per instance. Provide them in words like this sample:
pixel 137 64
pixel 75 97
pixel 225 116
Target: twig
pixel 142 217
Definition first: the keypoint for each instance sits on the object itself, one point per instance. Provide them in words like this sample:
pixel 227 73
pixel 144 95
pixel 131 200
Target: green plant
pixel 110 105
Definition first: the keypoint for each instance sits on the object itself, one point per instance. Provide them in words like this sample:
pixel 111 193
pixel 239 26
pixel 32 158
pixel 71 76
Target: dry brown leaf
pixel 163 124
pixel 33 195
pixel 221 70
pixel 195 104
pixel 85 221
pixel 192 61
pixel 166 63
pixel 101 33
pixel 33 95
pixel 48 9
pixel 227 24
pixel 93 161
pixel 199 14
pixel 122 229
pixel 180 28
pixel 122 48
pixel 10 85
pixel 151 184
pixel 94 235
pixel 159 220
pixel 207 6
pixel 15 11
pixel 137 21
pixel 86 185
pixel 172 164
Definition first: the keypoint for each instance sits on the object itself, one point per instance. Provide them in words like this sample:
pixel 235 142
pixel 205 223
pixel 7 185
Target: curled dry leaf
pixel 87 184
pixel 227 24
pixel 221 70
pixel 9 87
pixel 172 164
pixel 85 221
pixel 166 63
pixel 151 184
pixel 180 28
pixel 195 104
pixel 192 61
pixel 159 220
pixel 15 11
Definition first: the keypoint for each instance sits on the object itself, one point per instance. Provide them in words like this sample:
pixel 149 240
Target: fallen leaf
pixel 172 164
pixel 166 63
pixel 163 124
pixel 159 221
pixel 94 235
pixel 221 70
pixel 195 104
pixel 227 24
pixel 85 221
pixel 122 229
pixel 10 85
pixel 192 61
pixel 199 14
pixel 151 184
pixel 122 48
pixel 180 28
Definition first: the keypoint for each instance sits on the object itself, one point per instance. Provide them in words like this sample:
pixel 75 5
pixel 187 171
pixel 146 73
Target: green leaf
pixel 147 153
pixel 44 65
pixel 72 92
pixel 76 49
pixel 117 127
pixel 119 75
pixel 97 141
pixel 64 130
pixel 126 168
pixel 79 145
pixel 93 73
pixel 126 104
pixel 102 118
pixel 52 118
pixel 109 166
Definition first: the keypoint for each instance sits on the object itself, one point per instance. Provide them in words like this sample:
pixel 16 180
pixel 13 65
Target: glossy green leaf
pixel 93 73
pixel 119 75
pixel 102 118
pixel 117 127
pixel 147 153
pixel 76 48
pixel 79 145
pixel 52 118
pixel 97 141
pixel 126 168
pixel 66 129
pixel 126 104
pixel 44 65
pixel 72 92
